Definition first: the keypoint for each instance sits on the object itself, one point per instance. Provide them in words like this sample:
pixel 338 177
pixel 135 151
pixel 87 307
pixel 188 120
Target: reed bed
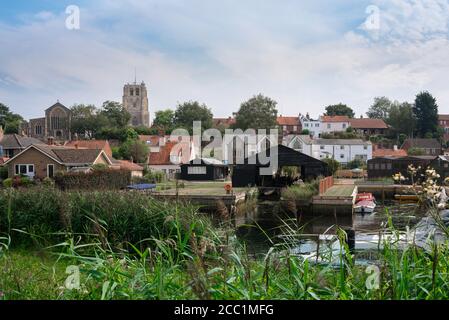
pixel 127 246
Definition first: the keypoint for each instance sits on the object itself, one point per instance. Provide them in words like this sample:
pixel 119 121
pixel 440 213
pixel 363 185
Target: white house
pixel 314 126
pixel 342 150
pixel 334 124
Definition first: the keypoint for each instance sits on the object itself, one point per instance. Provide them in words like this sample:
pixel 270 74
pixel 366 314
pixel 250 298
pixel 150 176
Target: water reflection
pixel 272 223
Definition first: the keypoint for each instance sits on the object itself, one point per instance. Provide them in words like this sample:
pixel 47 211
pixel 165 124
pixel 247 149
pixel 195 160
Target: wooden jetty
pixel 339 199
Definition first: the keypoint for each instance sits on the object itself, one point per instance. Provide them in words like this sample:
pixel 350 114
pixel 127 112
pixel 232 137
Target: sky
pixel 303 54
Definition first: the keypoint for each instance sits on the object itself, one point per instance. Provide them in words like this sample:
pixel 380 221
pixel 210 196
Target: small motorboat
pixel 365 203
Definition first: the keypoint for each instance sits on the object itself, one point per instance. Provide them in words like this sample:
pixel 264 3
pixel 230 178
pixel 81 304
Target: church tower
pixel 135 101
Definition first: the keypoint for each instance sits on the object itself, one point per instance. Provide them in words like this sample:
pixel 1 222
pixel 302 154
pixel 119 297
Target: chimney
pixel 50 141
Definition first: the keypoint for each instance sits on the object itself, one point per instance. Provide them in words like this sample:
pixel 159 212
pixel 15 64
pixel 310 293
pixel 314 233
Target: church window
pixel 131 92
pixel 137 91
pixel 38 129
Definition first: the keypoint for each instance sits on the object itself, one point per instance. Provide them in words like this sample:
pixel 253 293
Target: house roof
pixel 162 157
pixel 421 143
pixel 91 144
pixel 443 117
pixel 223 121
pixel 3 160
pixel 208 161
pixel 128 165
pixel 341 142
pixel 427 158
pixel 66 155
pixel 368 124
pixel 15 141
pixel 335 119
pixel 380 153
pixel 60 105
pixel 151 140
pixel 287 121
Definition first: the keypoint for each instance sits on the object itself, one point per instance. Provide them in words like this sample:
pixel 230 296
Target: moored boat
pixel 365 203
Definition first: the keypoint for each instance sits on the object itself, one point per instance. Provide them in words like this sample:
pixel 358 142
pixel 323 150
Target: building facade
pixel 342 150
pixel 135 101
pixel 56 124
pixel 314 126
pixel 443 122
pixel 334 124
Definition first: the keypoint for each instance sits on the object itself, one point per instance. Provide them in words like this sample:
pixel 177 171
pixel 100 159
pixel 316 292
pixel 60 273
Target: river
pixel 270 224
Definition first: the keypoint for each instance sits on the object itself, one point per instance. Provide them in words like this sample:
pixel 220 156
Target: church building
pixel 135 101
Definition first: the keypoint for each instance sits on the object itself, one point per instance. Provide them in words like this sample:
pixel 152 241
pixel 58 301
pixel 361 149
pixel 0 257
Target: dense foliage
pixel 95 180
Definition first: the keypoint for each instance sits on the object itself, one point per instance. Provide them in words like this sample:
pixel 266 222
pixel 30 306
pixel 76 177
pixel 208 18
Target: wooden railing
pixel 326 184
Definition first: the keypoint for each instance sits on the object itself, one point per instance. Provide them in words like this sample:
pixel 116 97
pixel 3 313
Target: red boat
pixel 365 203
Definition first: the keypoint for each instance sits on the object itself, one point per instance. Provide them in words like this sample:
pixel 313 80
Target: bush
pixel 155 176
pixel 3 173
pixel 95 180
pixel 415 152
pixel 100 167
pixel 301 192
pixel 333 165
pixel 7 183
pixel 355 164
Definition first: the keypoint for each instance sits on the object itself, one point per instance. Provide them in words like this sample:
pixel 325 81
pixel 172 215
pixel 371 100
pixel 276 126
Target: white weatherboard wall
pixel 328 127
pixel 342 153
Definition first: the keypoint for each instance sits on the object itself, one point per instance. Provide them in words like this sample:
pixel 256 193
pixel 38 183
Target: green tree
pixel 402 119
pixel 164 120
pixel 259 112
pixel 380 109
pixel 85 120
pixel 332 164
pixel 339 110
pixel 426 113
pixel 415 152
pixel 134 150
pixel 116 114
pixel 188 112
pixel 9 121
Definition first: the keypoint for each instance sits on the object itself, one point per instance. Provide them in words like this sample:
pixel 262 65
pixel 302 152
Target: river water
pixel 270 224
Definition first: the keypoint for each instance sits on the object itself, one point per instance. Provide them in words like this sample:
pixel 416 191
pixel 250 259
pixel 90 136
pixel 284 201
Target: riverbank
pixel 127 246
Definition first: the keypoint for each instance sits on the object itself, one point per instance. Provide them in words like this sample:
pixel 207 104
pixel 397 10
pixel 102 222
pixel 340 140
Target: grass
pixel 179 255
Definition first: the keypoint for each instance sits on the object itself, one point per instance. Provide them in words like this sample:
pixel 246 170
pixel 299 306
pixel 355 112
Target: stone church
pixel 56 124
pixel 135 101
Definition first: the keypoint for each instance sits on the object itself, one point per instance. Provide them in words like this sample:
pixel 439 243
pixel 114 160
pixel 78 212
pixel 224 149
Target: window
pixel 342 147
pixel 137 91
pixel 329 126
pixel 307 125
pixel 342 156
pixel 317 125
pixel 371 166
pixel 344 125
pixel 38 129
pixel 389 166
pixel 321 147
pixel 365 147
pixel 196 170
pixel 295 128
pixel 24 169
pixel 383 166
pixel 131 92
pixel 50 170
pixel 376 166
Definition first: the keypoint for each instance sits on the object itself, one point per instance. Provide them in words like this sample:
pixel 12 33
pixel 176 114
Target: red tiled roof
pixel 223 121
pixel 163 156
pixel 128 165
pixel 92 144
pixel 368 124
pixel 3 160
pixel 288 121
pixel 443 117
pixel 335 119
pixel 379 153
pixel 151 140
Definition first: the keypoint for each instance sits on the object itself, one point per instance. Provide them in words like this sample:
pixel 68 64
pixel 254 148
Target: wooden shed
pixel 249 173
pixel 204 169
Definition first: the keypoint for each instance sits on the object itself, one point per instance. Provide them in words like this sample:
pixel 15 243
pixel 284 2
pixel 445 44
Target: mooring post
pixel 350 239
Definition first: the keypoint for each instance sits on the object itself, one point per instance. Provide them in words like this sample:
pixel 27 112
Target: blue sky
pixel 303 54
